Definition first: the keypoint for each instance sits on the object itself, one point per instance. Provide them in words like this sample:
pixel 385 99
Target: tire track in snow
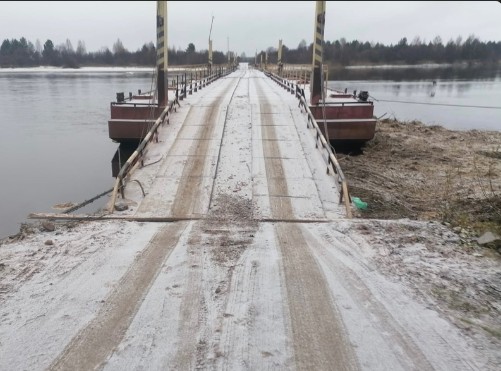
pixel 405 350
pixel 92 345
pixel 320 340
pixel 191 182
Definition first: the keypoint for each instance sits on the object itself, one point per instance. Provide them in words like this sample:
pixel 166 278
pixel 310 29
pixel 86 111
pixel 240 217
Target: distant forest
pixel 347 53
pixel 23 53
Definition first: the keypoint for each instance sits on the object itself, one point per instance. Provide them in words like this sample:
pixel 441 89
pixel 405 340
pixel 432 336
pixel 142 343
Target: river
pixel 54 142
pixel 457 98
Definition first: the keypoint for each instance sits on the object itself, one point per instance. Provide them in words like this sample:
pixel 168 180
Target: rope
pixel 76 207
pixel 437 104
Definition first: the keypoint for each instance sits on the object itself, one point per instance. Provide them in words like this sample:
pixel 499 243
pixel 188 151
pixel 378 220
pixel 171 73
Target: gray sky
pixel 249 25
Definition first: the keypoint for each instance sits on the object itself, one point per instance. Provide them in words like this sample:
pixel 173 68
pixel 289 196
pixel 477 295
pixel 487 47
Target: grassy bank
pixel 410 170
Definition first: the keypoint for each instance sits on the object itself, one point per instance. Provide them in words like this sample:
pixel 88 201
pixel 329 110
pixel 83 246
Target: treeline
pixel 344 53
pixel 23 53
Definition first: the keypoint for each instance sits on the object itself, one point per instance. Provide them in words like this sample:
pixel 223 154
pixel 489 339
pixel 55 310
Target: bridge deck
pixel 230 290
pixel 226 141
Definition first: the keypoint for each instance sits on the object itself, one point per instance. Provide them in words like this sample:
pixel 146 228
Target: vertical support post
pixel 162 56
pixel 279 62
pixel 180 87
pixel 185 84
pixel 210 57
pixel 316 73
pixel 325 78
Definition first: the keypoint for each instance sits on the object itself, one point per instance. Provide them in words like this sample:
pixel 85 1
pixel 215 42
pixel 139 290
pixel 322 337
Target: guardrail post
pixel 181 97
pixel 177 87
pixel 184 85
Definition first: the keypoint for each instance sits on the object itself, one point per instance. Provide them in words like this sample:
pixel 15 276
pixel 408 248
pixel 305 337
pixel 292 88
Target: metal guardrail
pixel 188 86
pixel 332 163
pixel 138 153
pixel 152 134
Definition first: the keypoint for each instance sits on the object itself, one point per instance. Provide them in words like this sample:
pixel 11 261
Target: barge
pixel 349 118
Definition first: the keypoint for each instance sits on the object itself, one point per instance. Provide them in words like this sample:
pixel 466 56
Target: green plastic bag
pixel 359 203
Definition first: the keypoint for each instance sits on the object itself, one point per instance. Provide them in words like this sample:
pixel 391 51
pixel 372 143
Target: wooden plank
pixel 156 219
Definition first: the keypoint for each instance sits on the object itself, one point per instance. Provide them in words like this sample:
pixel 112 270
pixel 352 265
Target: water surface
pixel 54 142
pixel 456 98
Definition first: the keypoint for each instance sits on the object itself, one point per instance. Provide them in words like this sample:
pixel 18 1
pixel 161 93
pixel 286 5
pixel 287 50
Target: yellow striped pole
pixel 162 56
pixel 316 78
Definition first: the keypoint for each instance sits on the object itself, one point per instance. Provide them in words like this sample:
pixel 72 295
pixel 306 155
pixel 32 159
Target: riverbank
pixel 410 170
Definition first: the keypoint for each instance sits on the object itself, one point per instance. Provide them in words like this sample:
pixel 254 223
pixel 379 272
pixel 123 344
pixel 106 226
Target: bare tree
pixel 38 47
pixel 118 47
pixel 437 40
pixel 81 50
pixel 69 47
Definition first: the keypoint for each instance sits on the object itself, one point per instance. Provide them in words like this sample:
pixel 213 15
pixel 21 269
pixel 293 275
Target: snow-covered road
pixel 231 289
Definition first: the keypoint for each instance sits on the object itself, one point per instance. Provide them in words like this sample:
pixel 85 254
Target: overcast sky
pixel 248 25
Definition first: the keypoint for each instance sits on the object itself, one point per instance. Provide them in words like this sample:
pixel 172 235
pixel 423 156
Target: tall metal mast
pixel 162 56
pixel 316 73
pixel 210 46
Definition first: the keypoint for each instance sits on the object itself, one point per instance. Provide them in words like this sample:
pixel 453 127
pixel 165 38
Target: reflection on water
pixel 451 97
